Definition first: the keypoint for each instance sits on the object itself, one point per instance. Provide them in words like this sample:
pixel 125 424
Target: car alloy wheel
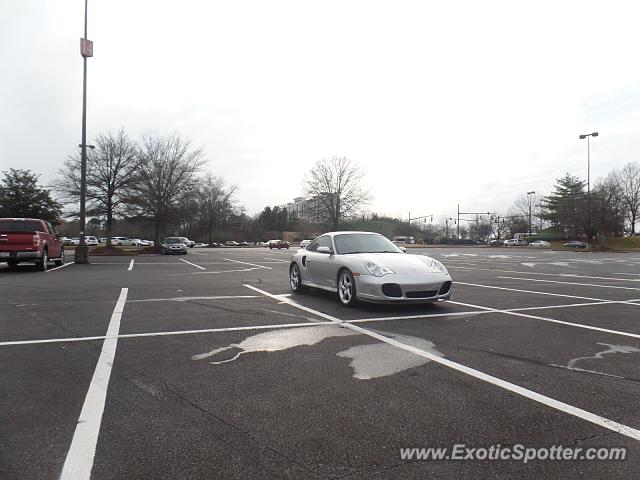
pixel 295 279
pixel 346 288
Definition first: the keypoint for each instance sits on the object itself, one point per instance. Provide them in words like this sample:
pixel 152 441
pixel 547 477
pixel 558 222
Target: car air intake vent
pixel 421 294
pixel 391 290
pixel 444 289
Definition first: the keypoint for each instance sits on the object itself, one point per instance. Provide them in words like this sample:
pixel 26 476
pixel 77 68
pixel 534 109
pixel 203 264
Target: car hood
pixel 399 262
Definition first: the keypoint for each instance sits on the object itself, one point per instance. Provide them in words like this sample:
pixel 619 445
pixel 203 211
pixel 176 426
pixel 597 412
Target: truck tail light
pixel 36 240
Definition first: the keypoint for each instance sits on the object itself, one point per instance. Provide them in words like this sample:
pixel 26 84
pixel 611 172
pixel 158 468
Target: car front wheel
pixel 295 278
pixel 346 288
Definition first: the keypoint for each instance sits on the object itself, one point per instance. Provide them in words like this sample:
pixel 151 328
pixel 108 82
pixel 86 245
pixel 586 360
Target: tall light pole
pixel 582 137
pixel 86 50
pixel 529 195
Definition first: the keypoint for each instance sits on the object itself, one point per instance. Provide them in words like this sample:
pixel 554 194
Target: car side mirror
pixel 403 249
pixel 324 250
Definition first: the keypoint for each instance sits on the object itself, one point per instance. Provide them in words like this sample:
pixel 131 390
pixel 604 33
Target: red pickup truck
pixel 29 240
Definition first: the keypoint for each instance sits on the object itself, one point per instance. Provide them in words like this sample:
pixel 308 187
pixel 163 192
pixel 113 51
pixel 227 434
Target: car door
pixel 321 266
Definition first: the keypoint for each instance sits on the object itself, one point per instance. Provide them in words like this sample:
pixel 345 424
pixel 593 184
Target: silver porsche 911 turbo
pixel 367 266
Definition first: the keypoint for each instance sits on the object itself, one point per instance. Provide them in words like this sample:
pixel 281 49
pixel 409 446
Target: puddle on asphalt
pixel 368 361
pixel 381 359
pixel 599 355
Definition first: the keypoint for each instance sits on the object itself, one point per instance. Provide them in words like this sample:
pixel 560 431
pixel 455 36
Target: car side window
pixel 313 246
pixel 325 242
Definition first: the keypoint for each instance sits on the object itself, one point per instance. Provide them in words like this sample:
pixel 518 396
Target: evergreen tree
pixel 22 197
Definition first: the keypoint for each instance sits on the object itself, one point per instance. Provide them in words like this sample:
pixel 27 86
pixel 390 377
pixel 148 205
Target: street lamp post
pixel 529 195
pixel 86 50
pixel 582 137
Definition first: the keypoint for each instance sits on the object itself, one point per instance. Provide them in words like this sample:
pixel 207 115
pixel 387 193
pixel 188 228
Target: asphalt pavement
pixel 206 366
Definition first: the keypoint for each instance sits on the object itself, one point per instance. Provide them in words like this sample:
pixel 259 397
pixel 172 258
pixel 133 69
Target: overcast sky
pixel 439 102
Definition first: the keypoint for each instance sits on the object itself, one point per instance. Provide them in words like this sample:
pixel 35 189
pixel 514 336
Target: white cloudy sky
pixel 440 102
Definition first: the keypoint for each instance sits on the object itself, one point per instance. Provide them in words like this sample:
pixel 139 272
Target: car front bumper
pixel 404 288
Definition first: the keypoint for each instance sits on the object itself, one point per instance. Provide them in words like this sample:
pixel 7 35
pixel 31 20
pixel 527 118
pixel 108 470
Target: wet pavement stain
pixel 368 361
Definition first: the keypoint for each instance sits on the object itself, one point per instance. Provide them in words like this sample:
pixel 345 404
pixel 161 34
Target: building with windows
pixel 308 210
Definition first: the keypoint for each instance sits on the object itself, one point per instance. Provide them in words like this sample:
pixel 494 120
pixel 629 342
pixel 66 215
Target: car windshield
pixel 363 243
pixel 172 240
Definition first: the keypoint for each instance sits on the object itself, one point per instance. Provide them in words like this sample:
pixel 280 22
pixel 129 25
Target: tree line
pixel 157 180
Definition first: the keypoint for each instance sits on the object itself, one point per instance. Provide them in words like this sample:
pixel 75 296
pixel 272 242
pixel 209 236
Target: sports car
pixel 367 266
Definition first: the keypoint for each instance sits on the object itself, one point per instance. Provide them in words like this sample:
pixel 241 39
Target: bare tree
pixel 336 187
pixel 165 177
pixel 214 202
pixel 628 180
pixel 110 171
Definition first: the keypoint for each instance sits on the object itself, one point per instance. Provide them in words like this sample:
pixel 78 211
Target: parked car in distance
pixel 495 243
pixel 231 243
pixel 304 243
pixel 188 243
pixel 30 240
pixel 277 244
pixel 540 244
pixel 122 242
pixel 65 240
pixel 200 245
pixel 575 244
pixel 173 245
pixel 91 240
pixel 244 244
pixel 513 242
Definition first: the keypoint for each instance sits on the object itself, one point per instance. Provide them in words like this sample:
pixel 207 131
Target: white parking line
pixel 530 394
pixel 531 291
pixel 570 283
pixel 130 265
pixel 193 264
pixel 79 461
pixel 161 334
pixel 545 319
pixel 568 275
pixel 61 266
pixel 188 299
pixel 247 263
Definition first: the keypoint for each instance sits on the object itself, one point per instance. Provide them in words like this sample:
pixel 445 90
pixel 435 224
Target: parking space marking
pixel 79 461
pixel 131 265
pixel 546 319
pixel 531 291
pixel 188 299
pixel 58 268
pixel 247 263
pixel 571 275
pixel 163 334
pixel 530 394
pixel 193 264
pixel 571 283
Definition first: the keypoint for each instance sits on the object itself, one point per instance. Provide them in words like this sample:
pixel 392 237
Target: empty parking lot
pixel 205 366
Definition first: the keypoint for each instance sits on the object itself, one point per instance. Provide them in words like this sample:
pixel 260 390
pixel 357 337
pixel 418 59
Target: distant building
pixel 308 210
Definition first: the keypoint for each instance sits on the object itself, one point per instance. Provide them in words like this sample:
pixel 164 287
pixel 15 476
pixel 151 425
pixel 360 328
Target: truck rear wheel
pixel 44 261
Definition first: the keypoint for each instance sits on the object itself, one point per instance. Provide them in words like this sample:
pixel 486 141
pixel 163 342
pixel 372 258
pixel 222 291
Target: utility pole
pixel 582 137
pixel 86 50
pixel 529 195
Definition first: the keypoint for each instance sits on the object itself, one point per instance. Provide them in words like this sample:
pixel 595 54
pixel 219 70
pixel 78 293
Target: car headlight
pixel 377 270
pixel 437 267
